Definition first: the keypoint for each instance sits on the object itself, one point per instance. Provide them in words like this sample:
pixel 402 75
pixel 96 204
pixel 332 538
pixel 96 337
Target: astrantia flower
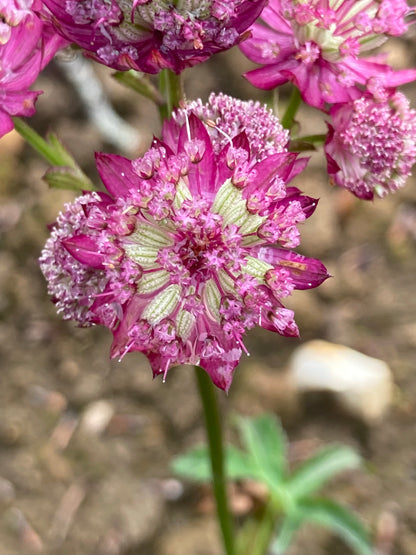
pixel 316 45
pixel 12 13
pixel 191 246
pixel 30 45
pixel 371 145
pixel 150 35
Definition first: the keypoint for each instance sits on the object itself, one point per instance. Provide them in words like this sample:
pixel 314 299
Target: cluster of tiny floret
pixel 345 18
pixel 381 138
pixel 71 284
pixel 227 117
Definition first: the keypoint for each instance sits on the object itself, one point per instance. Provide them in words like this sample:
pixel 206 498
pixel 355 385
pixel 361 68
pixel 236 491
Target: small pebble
pixel 96 417
pixel 362 384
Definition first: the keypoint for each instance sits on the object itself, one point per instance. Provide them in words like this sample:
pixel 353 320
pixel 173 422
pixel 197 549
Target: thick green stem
pixel 294 102
pixel 216 451
pixel 170 86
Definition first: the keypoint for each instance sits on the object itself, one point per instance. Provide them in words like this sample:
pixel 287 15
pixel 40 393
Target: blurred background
pixel 85 442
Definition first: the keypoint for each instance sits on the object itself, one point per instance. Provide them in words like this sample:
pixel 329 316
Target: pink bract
pixel 12 13
pixel 150 35
pixel 317 46
pixel 29 47
pixel 371 145
pixel 192 243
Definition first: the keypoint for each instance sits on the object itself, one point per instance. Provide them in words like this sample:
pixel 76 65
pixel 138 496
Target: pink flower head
pixel 150 35
pixel 29 46
pixel 192 243
pixel 371 145
pixel 316 45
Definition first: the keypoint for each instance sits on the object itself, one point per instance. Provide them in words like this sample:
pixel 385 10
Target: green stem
pixel 65 172
pixel 38 143
pixel 294 102
pixel 139 84
pixel 312 138
pixel 256 537
pixel 216 451
pixel 170 86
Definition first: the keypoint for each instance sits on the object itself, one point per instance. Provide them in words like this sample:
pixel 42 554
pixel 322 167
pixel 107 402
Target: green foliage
pixel 265 443
pixel 67 178
pixel 292 500
pixel 329 514
pixel 321 467
pixel 195 464
pixel 65 172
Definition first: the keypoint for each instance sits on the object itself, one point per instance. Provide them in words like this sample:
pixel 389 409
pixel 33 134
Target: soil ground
pixel 68 488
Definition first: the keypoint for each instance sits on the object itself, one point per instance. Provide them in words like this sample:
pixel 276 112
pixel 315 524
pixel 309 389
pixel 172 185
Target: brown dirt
pixel 64 490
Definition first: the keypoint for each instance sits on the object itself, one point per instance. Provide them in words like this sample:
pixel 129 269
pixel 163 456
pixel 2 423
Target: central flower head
pixel 191 246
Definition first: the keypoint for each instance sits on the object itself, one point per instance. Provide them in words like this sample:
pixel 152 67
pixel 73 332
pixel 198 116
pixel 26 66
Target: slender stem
pixel 170 85
pixel 257 533
pixel 216 451
pixel 38 143
pixel 294 102
pixel 320 138
pixel 139 83
pixel 65 172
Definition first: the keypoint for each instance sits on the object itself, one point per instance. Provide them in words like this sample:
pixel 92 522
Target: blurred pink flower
pixel 192 243
pixel 150 35
pixel 371 145
pixel 28 48
pixel 316 45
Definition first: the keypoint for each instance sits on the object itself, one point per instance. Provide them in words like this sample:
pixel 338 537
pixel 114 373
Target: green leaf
pixel 238 464
pixel 324 465
pixel 60 151
pixel 195 464
pixel 67 178
pixel 329 514
pixel 340 520
pixel 289 526
pixel 265 441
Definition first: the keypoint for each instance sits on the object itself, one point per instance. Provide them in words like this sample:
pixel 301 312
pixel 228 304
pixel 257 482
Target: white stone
pixel 96 417
pixel 364 385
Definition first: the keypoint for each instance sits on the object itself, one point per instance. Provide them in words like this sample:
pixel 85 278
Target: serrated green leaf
pixel 340 520
pixel 321 467
pixel 238 464
pixel 195 464
pixel 265 441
